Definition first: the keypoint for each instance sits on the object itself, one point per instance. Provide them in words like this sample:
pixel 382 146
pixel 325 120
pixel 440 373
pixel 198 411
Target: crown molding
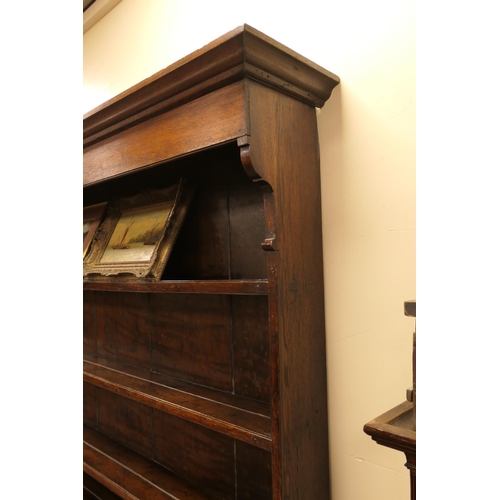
pixel 242 53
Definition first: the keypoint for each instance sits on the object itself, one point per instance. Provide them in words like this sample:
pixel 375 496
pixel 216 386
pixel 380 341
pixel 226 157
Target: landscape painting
pixel 137 234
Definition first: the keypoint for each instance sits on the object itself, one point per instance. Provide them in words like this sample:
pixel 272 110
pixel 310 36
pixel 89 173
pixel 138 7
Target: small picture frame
pixel 92 217
pixel 137 236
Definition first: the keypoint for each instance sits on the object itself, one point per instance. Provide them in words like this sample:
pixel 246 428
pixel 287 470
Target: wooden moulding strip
pixel 228 287
pixel 129 475
pixel 227 419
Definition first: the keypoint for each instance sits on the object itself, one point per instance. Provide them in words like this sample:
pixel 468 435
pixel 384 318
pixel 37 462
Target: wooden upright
pixel 211 383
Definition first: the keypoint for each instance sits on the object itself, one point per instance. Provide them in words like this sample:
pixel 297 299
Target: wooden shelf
pixel 228 287
pixel 93 490
pixel 129 475
pixel 232 415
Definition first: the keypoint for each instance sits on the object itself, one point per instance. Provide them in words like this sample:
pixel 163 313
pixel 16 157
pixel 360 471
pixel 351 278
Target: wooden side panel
pixel 191 338
pixel 199 455
pixel 212 119
pixel 284 152
pixel 123 327
pixel 126 421
pixel 251 347
pixel 89 322
pixel 253 473
pixel 89 404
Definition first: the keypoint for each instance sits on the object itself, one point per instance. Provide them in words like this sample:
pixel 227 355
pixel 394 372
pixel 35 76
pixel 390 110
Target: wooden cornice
pixel 243 52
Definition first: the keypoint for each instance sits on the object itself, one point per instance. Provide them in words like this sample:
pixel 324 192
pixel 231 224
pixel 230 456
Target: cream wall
pixel 367 142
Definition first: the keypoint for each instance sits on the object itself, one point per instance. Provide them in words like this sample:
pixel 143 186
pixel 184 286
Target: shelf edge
pixel 218 287
pixel 233 430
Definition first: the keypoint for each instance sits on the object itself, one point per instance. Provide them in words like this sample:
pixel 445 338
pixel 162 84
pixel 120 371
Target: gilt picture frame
pixel 92 217
pixel 137 236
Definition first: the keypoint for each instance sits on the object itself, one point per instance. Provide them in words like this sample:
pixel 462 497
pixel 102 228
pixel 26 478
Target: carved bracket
pixel 270 242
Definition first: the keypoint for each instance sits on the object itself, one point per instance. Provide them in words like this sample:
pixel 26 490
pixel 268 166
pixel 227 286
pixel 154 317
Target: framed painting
pixel 137 236
pixel 92 216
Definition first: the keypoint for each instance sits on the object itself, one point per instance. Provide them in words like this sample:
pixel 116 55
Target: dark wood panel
pixel 247 229
pixel 227 419
pixel 89 404
pixel 253 473
pixel 130 475
pixel 191 338
pixel 201 456
pixel 123 327
pixel 126 421
pixel 251 347
pixel 87 495
pixel 202 247
pixel 89 322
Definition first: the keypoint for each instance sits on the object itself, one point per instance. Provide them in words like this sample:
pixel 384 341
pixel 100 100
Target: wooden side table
pixel 396 428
